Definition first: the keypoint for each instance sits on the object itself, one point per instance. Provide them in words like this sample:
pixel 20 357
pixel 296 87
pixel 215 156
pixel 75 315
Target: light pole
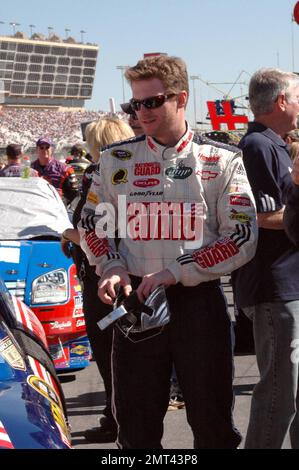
pixel 66 32
pixel 50 28
pixel 293 45
pixel 82 35
pixel 31 26
pixel 14 26
pixel 122 69
pixel 193 78
pixel 2 22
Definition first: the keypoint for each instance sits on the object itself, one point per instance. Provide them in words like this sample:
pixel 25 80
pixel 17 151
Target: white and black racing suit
pixel 197 176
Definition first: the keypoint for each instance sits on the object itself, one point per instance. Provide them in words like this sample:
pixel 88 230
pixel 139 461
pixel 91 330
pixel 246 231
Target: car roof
pixel 30 208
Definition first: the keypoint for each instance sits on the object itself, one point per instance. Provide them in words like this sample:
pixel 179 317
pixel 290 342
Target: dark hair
pixel 77 149
pixel 13 150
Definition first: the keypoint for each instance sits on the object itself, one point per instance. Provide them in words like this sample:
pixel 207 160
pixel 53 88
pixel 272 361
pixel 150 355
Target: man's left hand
pixel 151 281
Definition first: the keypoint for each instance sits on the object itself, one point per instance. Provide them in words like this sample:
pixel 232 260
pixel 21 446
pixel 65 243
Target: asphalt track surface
pixel 85 401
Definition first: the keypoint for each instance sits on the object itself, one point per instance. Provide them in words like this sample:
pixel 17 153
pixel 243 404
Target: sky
pixel 221 41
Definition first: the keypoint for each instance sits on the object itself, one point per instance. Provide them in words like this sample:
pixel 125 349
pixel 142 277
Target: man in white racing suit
pixel 185 215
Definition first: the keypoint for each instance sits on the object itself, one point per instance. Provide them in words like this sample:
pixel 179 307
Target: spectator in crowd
pixel 267 288
pixel 78 161
pixel 60 175
pixel 171 159
pixel 14 162
pixel 77 153
pixel 3 162
pixel 294 150
pixel 99 134
pixel 291 213
pixel 133 119
pixel 62 127
pixel 291 137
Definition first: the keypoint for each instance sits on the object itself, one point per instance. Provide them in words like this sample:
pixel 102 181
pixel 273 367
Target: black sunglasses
pixel 44 147
pixel 150 103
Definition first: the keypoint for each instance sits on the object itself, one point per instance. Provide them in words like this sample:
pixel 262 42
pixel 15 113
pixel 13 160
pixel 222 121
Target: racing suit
pixel 195 176
pixel 61 176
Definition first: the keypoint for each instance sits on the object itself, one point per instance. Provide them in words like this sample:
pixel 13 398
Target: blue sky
pixel 218 39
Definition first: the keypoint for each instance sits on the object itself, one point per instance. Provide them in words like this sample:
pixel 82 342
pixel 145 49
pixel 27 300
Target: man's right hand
pixel 109 280
pixel 295 172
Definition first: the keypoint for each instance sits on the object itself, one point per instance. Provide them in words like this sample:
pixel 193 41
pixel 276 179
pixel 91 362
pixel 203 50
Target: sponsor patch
pixel 146 193
pixel 80 323
pixel 93 198
pixel 146 183
pixel 120 176
pixel 237 188
pixel 11 355
pixel 241 170
pixel 78 299
pixel 122 154
pixel 221 251
pixel 239 201
pixel 206 174
pixel 79 349
pixel 210 160
pixel 179 172
pixel 147 169
pixel 50 394
pixel 56 325
pixel 241 217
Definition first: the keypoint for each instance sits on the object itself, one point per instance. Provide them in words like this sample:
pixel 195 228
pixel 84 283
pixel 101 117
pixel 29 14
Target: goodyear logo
pixel 120 176
pixel 122 154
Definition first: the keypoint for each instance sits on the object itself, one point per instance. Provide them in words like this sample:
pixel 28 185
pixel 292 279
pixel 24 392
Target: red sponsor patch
pixel 147 169
pixel 209 160
pixel 146 183
pixel 206 174
pixel 97 246
pixel 239 201
pixel 221 251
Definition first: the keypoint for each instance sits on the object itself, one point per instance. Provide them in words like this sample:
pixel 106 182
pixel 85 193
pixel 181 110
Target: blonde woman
pixel 294 150
pixel 98 134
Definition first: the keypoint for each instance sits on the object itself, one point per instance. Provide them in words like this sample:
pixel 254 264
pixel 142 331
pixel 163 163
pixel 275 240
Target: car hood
pixel 26 260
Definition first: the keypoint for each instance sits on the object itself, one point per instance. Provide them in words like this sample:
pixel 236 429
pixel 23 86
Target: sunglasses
pixel 44 147
pixel 152 102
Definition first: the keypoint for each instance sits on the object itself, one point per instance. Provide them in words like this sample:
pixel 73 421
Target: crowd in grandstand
pixel 24 126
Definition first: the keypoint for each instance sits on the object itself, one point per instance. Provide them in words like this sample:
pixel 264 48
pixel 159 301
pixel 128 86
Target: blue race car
pixel 34 269
pixel 32 408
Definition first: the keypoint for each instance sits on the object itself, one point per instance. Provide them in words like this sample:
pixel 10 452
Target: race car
pixel 34 269
pixel 32 408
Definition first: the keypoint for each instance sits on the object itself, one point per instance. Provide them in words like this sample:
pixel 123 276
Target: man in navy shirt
pixel 267 288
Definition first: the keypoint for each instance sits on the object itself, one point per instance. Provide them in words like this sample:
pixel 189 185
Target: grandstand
pixel 45 73
pixel 44 84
